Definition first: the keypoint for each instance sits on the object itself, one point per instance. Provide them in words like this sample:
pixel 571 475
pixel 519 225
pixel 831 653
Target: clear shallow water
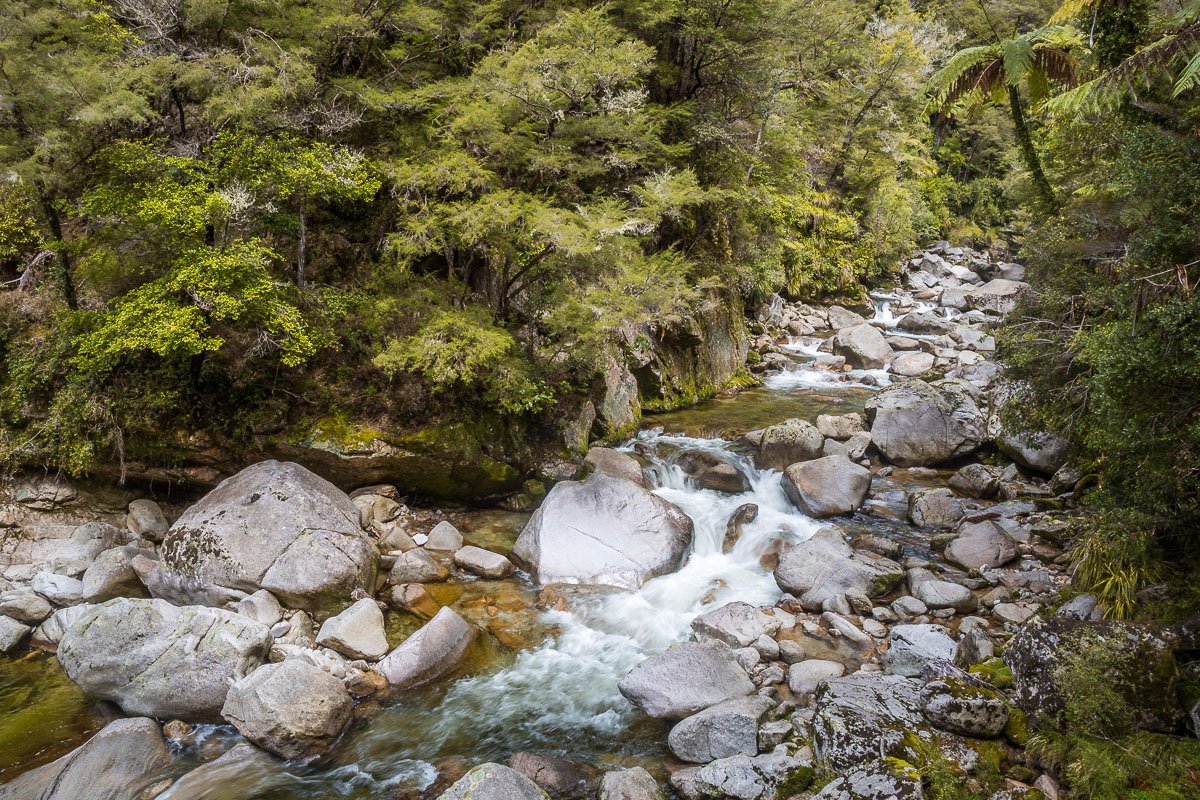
pixel 543 675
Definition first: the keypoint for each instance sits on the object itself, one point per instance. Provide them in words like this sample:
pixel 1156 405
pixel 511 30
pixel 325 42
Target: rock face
pixel 273 526
pixel 822 570
pixel 1136 661
pixel 687 678
pixel 863 718
pixel 827 487
pixel 430 653
pixel 493 782
pixel 911 647
pixel 788 443
pixel 862 346
pixel 918 424
pixel 292 709
pixel 604 530
pixel 629 784
pixel 155 659
pixel 980 544
pixel 124 759
pixel 613 463
pixel 357 632
pixel 727 729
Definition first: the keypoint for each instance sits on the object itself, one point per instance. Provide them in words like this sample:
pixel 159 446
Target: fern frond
pixel 1190 77
pixel 1018 60
pixel 1071 9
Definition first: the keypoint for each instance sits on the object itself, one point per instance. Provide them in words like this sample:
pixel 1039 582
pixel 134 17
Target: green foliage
pixel 1093 700
pixel 995 672
pixel 1115 558
pixel 1142 765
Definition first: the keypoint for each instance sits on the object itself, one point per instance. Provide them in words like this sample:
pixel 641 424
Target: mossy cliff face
pixel 682 364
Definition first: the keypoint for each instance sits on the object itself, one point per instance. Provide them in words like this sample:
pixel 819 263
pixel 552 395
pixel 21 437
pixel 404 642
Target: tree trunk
pixel 1032 162
pixel 300 250
pixel 66 273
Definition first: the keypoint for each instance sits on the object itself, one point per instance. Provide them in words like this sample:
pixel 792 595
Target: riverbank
pixel 803 589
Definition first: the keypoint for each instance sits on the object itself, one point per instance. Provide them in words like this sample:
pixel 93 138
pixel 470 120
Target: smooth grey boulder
pixel 686 678
pixel 493 782
pixel 976 480
pixel 124 759
pixel 629 784
pixel 737 624
pixel 981 544
pixel 12 634
pixel 292 709
pixel 357 632
pixel 260 607
pixel 911 365
pixel 242 771
pixel 24 605
pixel 155 659
pixel 805 676
pixel 273 526
pixel 417 566
pixel 863 346
pixel 62 590
pixel 444 536
pixel 915 423
pixel 862 718
pixel 482 562
pixel 840 317
pixel 604 530
pixel 911 647
pixel 935 508
pixel 944 594
pixel 824 569
pixel 965 708
pixel 727 729
pixel 841 426
pixel 827 487
pixel 1043 453
pixel 434 650
pixel 72 556
pixel 789 442
pixel 146 520
pixel 112 575
pixel 613 463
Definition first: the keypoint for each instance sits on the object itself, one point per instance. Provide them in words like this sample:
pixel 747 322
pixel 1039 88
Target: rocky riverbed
pixel 818 588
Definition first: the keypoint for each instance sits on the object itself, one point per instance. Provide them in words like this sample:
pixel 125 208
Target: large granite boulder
pixel 120 762
pixel 1055 658
pixel 155 659
pixel 822 570
pixel 787 443
pixel 911 647
pixel 737 624
pixel 998 296
pixel 357 632
pixel 560 778
pixel 431 652
pixel 827 487
pixel 604 530
pixel 981 544
pixel 629 784
pixel 876 782
pixel 745 777
pixel 918 424
pixel 965 707
pixel 862 346
pixel 273 526
pixel 293 709
pixel 686 678
pixel 493 782
pixel 1042 452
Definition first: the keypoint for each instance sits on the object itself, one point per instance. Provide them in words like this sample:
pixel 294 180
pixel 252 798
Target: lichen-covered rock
pixel 748 777
pixel 124 759
pixel 1058 657
pixel 976 480
pixel 827 487
pixel 737 624
pixel 934 508
pixel 686 678
pixel 878 782
pixel 604 530
pixel 155 659
pixel 824 569
pixel 292 709
pixel 273 526
pixel 965 708
pixel 915 423
pixel 727 729
pixel 493 782
pixel 998 296
pixel 864 717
